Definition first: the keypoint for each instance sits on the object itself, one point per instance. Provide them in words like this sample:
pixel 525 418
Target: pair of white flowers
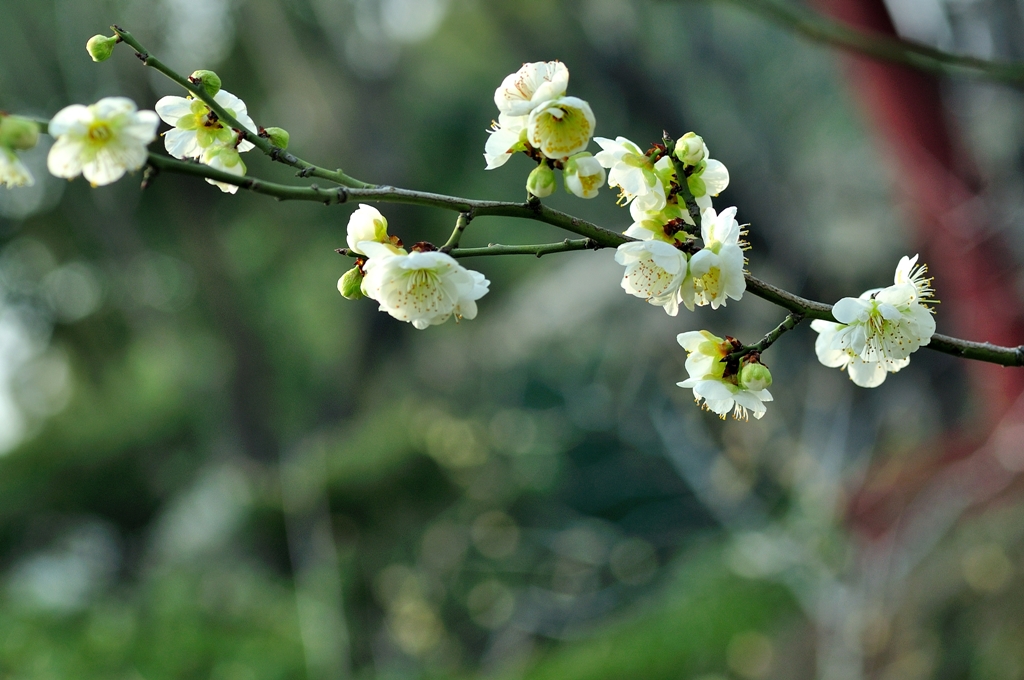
pixel 423 287
pixel 109 138
pixel 665 276
pixel 534 110
pixel 878 331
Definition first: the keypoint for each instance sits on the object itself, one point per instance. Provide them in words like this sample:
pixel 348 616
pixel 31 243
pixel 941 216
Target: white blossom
pixel 654 272
pixel 366 224
pixel 529 87
pixel 101 141
pixel 717 269
pixel 632 172
pixel 223 157
pixel 196 127
pixel 878 331
pixel 721 393
pixel 561 127
pixel 583 175
pixel 13 172
pixel 423 288
pixel 505 135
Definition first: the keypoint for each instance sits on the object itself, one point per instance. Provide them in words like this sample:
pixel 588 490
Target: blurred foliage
pixel 218 468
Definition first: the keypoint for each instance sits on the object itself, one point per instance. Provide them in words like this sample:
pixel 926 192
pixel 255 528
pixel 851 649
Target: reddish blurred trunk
pixel 974 277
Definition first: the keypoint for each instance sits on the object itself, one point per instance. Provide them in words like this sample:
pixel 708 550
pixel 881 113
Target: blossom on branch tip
pixel 101 141
pixel 717 383
pixel 13 172
pixel 196 126
pixel 690 149
pixel 423 288
pixel 561 127
pixel 366 224
pixel 717 270
pixel 654 271
pixel 583 175
pixel 529 87
pixel 632 172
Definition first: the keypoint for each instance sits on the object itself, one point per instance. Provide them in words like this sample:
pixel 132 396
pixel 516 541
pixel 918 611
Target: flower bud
pixel 755 376
pixel 18 133
pixel 541 182
pixel 690 149
pixel 278 137
pixel 583 175
pixel 350 285
pixel 208 79
pixel 100 47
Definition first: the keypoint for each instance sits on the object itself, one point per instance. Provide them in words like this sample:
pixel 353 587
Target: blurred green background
pixel 213 466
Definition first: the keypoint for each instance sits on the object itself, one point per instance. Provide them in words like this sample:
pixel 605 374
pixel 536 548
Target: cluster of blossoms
pixel 878 331
pixel 536 118
pixel 669 260
pixel 423 287
pixel 723 377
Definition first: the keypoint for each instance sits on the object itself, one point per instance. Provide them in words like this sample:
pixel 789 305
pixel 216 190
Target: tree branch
pixel 836 34
pixel 595 237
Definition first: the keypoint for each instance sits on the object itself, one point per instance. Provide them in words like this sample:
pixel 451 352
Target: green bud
pixel 351 284
pixel 541 182
pixel 100 47
pixel 18 133
pixel 690 149
pixel 209 80
pixel 755 376
pixel 278 137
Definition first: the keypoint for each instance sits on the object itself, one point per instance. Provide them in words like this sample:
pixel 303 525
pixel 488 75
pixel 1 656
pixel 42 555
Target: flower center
pixel 99 132
pixel 649 279
pixel 709 284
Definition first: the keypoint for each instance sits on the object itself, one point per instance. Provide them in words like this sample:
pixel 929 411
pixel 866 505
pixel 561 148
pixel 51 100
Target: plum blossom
pixel 878 331
pixel 529 87
pixel 196 126
pixel 654 271
pixel 561 127
pixel 632 172
pixel 366 224
pixel 717 269
pixel 583 175
pixel 101 141
pixel 423 288
pixel 712 382
pixel 507 136
pixel 13 172
pixel 223 157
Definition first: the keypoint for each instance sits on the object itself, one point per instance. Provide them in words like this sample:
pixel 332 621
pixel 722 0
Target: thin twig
pixel 886 48
pixel 460 226
pixel 262 143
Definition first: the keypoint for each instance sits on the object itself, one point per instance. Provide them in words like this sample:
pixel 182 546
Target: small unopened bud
pixel 18 133
pixel 541 182
pixel 278 137
pixel 100 47
pixel 208 79
pixel 755 377
pixel 351 284
pixel 690 149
